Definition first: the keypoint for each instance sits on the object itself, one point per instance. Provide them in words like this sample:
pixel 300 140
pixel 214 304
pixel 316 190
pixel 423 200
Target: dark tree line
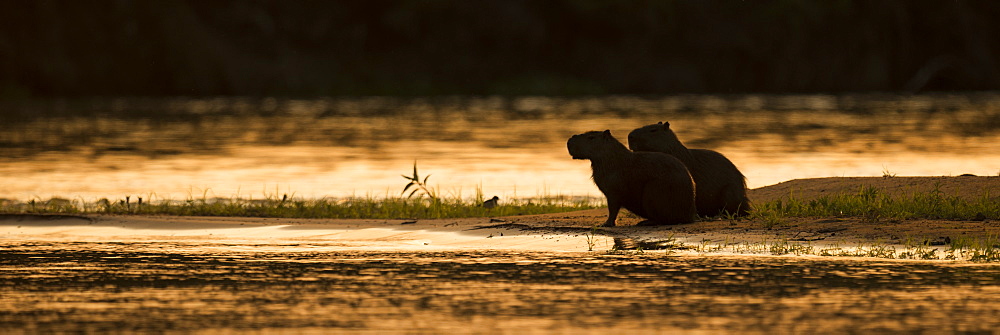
pixel 431 47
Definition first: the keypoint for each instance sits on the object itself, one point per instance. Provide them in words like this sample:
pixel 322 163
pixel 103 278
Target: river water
pixel 180 148
pixel 159 287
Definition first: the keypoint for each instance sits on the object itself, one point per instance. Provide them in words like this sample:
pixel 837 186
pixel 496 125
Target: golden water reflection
pixel 182 148
pixel 152 287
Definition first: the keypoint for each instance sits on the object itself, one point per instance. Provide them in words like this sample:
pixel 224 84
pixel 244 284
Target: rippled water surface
pixel 193 148
pixel 152 287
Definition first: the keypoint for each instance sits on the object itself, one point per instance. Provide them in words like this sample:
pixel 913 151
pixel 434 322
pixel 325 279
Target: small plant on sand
pixel 418 185
pixel 769 214
pixel 591 238
pixel 877 250
pixel 886 173
pixel 706 246
pixel 982 249
pixel 832 251
pixel 731 217
pixel 784 247
pixel 919 252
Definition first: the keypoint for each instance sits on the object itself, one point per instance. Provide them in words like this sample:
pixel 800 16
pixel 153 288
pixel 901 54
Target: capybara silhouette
pixel 720 186
pixel 652 185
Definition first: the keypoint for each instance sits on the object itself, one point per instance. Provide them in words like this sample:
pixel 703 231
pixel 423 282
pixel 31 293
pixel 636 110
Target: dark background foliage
pixel 433 47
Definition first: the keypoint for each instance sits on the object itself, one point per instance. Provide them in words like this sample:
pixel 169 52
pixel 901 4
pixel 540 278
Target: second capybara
pixel 652 185
pixel 721 187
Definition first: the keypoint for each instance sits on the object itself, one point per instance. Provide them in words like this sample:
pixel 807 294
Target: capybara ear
pixel 666 125
pixel 607 132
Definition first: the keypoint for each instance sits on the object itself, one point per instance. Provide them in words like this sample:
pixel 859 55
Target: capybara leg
pixel 613 208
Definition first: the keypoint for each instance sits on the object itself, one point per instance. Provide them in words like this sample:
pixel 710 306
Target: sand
pixel 561 232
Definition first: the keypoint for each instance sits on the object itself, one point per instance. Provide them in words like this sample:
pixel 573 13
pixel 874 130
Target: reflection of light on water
pixel 334 148
pixel 187 288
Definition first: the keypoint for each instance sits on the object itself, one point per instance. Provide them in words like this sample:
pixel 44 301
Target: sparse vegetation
pixel 423 202
pixel 874 205
pixel 971 249
pixel 977 249
pixel 287 207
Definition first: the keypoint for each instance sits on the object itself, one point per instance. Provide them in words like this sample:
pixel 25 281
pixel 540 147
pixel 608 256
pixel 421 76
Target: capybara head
pixel 592 144
pixel 654 137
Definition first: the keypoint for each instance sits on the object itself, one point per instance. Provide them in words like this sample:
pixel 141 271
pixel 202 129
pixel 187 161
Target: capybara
pixel 719 184
pixel 652 185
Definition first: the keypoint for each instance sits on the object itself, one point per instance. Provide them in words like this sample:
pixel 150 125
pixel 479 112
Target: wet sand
pixel 560 232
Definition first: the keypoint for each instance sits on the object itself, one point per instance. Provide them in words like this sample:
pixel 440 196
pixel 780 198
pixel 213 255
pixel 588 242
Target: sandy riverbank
pixel 549 232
